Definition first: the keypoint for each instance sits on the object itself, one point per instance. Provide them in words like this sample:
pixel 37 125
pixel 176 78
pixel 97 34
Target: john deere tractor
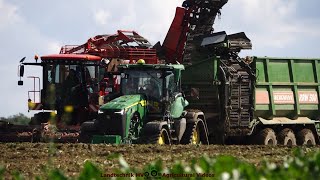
pixel 149 109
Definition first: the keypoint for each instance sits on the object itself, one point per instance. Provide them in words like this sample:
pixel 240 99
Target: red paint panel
pixel 283 97
pixel 308 97
pixel 176 36
pixel 262 97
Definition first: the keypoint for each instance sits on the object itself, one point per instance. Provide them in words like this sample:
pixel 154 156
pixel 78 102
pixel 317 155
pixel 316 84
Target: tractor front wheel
pixel 163 137
pixel 195 133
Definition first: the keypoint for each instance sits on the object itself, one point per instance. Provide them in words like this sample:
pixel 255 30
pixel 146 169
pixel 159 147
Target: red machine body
pixel 195 18
pixel 125 45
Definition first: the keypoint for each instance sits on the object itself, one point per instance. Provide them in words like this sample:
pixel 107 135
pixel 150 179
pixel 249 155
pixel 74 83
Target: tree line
pixel 16 119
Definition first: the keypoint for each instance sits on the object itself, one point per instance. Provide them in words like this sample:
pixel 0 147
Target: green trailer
pixel 260 100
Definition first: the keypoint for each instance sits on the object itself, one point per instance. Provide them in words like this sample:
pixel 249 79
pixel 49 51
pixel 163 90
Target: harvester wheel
pixel 306 137
pixel 267 137
pixel 195 133
pixel 163 137
pixel 286 137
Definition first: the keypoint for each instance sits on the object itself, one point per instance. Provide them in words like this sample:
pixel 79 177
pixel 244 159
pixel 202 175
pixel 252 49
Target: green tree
pixel 16 119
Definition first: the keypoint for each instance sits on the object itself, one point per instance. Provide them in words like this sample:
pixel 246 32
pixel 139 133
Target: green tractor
pixel 150 109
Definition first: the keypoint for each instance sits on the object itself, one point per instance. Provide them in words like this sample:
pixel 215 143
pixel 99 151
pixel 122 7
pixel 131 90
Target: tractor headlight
pixel 120 112
pixel 100 111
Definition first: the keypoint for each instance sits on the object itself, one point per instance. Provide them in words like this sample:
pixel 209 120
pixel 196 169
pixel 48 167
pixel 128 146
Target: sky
pixel 277 28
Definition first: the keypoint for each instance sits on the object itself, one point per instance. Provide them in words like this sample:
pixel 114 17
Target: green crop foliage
pixel 302 165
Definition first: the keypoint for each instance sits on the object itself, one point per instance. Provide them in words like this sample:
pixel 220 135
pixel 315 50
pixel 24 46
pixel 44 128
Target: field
pixel 31 159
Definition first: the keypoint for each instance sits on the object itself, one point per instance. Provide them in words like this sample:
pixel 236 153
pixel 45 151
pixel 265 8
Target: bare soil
pixel 31 159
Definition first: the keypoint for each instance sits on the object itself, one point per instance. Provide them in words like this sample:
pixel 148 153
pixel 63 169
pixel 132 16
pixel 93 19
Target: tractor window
pixel 171 86
pixel 91 71
pixel 51 74
pixel 146 82
pixel 57 74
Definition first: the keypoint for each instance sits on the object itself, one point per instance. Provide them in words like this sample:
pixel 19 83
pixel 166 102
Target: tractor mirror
pixel 20 83
pixel 104 62
pixel 21 71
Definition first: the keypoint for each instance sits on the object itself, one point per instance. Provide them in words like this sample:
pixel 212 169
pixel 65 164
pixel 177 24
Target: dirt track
pixel 31 159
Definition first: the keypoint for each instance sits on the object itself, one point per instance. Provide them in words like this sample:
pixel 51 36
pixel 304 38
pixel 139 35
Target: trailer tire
pixel 286 137
pixel 306 137
pixel 267 137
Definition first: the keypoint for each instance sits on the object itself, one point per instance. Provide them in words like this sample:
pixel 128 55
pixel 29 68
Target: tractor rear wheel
pixel 306 137
pixel 267 137
pixel 286 137
pixel 195 133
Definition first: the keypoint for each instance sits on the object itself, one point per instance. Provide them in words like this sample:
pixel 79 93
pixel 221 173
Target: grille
pixel 111 123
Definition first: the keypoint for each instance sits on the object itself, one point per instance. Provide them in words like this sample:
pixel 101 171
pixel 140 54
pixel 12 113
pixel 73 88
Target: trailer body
pixel 274 93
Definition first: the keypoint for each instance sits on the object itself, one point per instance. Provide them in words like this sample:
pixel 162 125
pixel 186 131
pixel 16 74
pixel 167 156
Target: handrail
pixel 34 88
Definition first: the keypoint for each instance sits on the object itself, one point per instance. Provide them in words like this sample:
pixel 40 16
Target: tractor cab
pixel 71 85
pixel 159 84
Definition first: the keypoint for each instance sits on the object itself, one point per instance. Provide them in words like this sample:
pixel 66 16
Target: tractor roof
pixel 71 57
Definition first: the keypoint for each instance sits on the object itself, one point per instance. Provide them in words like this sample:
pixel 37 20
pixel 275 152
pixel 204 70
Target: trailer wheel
pixel 267 137
pixel 306 137
pixel 163 137
pixel 286 137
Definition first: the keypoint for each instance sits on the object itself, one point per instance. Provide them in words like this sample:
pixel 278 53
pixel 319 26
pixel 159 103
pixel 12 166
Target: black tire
pixel 267 137
pixel 34 121
pixel 195 133
pixel 88 126
pixel 286 137
pixel 39 118
pixel 155 138
pixel 163 137
pixel 306 137
pixel 88 129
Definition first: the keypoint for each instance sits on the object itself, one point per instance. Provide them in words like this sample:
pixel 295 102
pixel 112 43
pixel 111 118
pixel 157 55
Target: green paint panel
pixel 284 107
pixel 107 139
pixel 260 71
pixel 202 71
pixel 309 107
pixel 279 71
pixel 305 71
pixel 202 75
pixel 122 102
pixel 263 107
pixel 296 78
